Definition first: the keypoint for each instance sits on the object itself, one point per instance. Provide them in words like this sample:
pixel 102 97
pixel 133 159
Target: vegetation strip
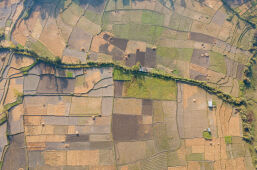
pixel 134 71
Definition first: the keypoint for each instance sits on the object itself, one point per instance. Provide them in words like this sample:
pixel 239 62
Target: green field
pixel 152 18
pixel 147 33
pixel 150 88
pixel 120 75
pixel 166 56
pixel 217 62
pixel 40 49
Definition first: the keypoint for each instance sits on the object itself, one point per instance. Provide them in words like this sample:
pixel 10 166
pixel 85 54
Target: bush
pixel 228 139
pixel 207 135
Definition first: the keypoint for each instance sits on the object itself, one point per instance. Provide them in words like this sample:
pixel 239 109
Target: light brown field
pixel 127 106
pixel 89 106
pixel 39 146
pixel 20 33
pixel 13 91
pixel 55 158
pixel 132 46
pixel 178 168
pixel 193 165
pixel 80 157
pixel 130 151
pixel 17 112
pixel 188 91
pixel 21 62
pixel 39 130
pixel 86 82
pixel 32 120
pixel 51 38
pixel 45 138
pixel 70 60
pixel 56 109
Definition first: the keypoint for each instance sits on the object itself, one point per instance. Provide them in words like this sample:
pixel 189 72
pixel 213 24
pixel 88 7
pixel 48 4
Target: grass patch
pixel 217 62
pixel 166 55
pixel 152 18
pixel 228 139
pixel 40 49
pixel 25 69
pixel 150 88
pixel 207 135
pixel 147 33
pixel 195 157
pixel 69 74
pixel 8 23
pixel 121 75
pixel 160 137
pixel 93 16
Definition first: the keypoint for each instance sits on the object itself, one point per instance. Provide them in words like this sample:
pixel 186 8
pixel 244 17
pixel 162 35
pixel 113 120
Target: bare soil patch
pixel 147 107
pixel 127 106
pixel 150 57
pixel 201 37
pixel 140 57
pixel 120 43
pixel 118 88
pixel 128 127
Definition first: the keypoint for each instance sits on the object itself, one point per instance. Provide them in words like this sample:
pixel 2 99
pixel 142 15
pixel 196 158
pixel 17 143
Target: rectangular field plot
pixel 150 88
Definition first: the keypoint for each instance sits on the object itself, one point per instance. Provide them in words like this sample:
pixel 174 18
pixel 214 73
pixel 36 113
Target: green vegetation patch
pixel 179 22
pixel 161 138
pixel 166 56
pixel 147 33
pixel 150 88
pixel 69 74
pixel 217 62
pixel 93 16
pixel 158 115
pixel 175 160
pixel 228 139
pixel 8 23
pixel 195 157
pixel 153 18
pixel 40 49
pixel 121 75
pixel 207 135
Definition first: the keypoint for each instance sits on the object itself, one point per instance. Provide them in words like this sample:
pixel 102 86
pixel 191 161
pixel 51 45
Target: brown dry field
pixel 88 81
pixel 76 158
pixel 20 33
pixel 90 106
pixel 70 60
pixel 127 152
pixel 13 91
pixel 51 38
pixel 19 62
pixel 127 106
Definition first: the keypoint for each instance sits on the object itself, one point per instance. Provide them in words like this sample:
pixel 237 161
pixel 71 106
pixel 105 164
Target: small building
pixel 209 130
pixel 210 105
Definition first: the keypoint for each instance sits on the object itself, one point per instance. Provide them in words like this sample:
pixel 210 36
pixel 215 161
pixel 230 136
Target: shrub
pixel 228 139
pixel 207 135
